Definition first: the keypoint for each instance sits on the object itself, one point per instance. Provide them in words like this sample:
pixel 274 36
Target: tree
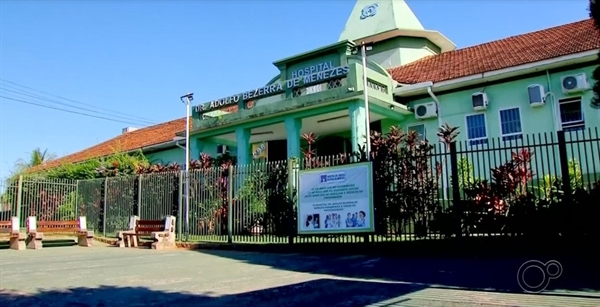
pixel 36 157
pixel 595 15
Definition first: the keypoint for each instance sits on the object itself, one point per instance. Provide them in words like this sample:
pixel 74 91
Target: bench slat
pixel 148 230
pixel 138 234
pixel 43 229
pixel 58 223
pixel 147 227
pixel 150 222
pixel 58 226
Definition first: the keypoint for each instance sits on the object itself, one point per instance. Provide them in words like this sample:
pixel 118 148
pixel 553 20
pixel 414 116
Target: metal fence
pixel 422 191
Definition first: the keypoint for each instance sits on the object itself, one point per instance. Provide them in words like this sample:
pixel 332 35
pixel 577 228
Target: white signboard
pixel 336 200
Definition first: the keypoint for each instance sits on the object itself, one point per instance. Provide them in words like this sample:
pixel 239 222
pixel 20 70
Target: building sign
pixel 336 200
pixel 369 11
pixel 259 150
pixel 306 76
pixel 324 66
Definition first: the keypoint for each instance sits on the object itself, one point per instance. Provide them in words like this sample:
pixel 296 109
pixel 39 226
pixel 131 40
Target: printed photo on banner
pixel 312 221
pixel 336 200
pixel 356 219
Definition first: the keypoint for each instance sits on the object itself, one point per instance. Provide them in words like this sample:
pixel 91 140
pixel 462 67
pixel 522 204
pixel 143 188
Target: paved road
pixel 107 276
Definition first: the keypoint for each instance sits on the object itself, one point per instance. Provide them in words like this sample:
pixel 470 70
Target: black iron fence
pixel 536 185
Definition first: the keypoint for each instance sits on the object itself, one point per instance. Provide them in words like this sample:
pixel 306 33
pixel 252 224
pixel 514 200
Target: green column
pixel 242 136
pixel 292 128
pixel 357 124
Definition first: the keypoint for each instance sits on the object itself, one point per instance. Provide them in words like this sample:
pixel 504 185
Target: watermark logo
pixel 369 11
pixel 549 270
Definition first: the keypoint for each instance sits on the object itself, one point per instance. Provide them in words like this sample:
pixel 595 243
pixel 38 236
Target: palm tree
pixel 37 157
pixel 595 14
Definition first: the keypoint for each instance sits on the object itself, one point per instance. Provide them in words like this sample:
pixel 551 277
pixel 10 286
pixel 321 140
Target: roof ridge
pixel 489 43
pixel 566 39
pixel 119 140
pixel 522 34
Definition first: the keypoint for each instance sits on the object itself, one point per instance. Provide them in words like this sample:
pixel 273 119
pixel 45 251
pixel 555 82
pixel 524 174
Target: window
pixel 420 129
pixel 571 114
pixel 510 124
pixel 476 131
pixel 221 149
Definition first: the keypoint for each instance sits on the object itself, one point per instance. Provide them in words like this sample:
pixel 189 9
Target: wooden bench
pixel 36 230
pixel 12 227
pixel 162 233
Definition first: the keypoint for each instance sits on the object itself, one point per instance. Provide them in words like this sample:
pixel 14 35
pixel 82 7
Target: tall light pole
pixel 187 99
pixel 366 98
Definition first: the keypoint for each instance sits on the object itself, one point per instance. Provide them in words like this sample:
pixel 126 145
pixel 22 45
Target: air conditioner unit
pixel 574 83
pixel 536 95
pixel 221 149
pixel 426 110
pixel 480 101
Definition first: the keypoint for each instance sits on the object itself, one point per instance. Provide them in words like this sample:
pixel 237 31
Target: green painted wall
pixel 171 155
pixel 177 155
pixel 401 50
pixel 454 107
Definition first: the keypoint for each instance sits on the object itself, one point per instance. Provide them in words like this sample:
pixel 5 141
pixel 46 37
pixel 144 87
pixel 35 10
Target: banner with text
pixel 336 200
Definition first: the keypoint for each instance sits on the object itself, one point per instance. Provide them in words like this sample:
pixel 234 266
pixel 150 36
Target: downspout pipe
pixel 437 104
pixel 179 145
pixel 439 116
pixel 554 104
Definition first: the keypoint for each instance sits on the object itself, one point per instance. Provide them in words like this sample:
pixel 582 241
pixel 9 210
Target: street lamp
pixel 364 49
pixel 187 99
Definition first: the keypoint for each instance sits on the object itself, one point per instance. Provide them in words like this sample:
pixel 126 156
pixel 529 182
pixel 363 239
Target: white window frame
pixel 424 136
pixel 510 134
pixel 486 138
pixel 572 124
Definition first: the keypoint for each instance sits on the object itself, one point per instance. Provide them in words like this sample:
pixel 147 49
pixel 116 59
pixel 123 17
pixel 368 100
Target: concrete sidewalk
pixel 108 276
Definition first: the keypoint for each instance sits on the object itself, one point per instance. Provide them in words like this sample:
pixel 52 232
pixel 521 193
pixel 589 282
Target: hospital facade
pixel 414 78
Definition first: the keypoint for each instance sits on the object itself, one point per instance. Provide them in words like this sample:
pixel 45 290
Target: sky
pixel 131 60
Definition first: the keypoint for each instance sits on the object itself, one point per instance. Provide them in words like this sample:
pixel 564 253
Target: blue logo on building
pixel 369 11
pixel 323 178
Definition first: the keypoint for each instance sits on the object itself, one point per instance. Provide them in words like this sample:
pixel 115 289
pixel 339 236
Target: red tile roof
pixel 512 51
pixel 129 141
pixel 508 52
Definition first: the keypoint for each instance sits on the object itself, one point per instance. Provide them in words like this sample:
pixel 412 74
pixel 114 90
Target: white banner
pixel 336 199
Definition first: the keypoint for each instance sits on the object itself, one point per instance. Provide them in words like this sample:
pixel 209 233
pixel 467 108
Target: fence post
pixel 76 198
pixel 104 206
pixel 179 207
pixel 455 190
pixel 139 197
pixel 19 200
pixel 292 184
pixel 230 204
pixel 564 165
pixel 186 195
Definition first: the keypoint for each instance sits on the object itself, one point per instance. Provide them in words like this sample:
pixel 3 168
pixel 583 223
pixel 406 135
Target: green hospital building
pixel 414 78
